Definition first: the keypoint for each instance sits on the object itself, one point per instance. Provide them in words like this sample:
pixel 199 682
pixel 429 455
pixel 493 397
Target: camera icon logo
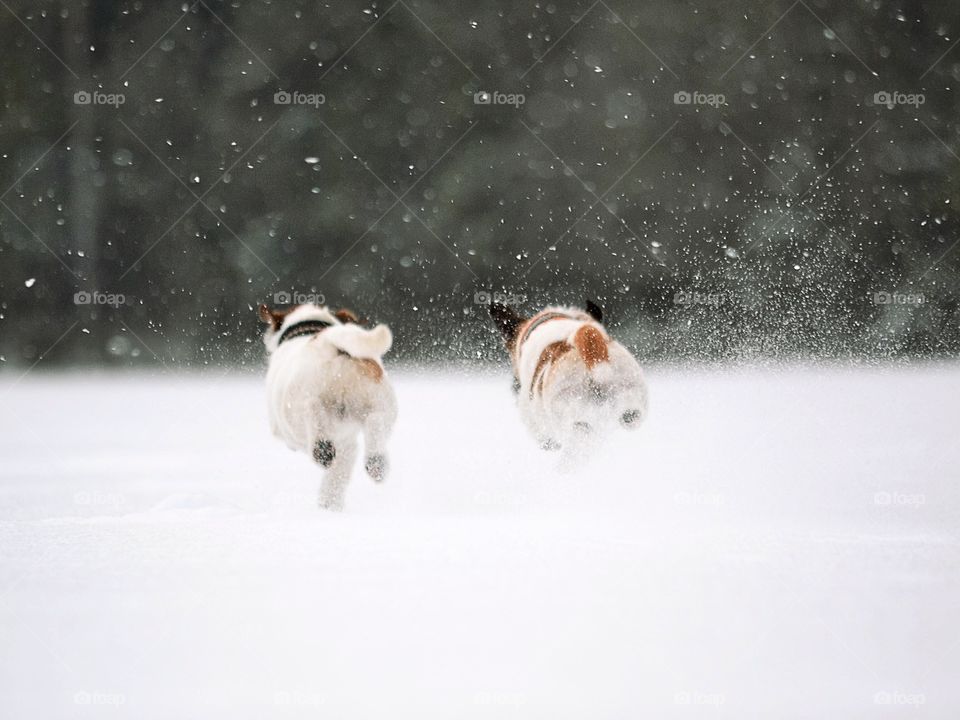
pixel 883 98
pixel 82 97
pixel 82 298
pixel 282 97
pixel 482 297
pixel 682 97
pixel 482 98
pixel 282 298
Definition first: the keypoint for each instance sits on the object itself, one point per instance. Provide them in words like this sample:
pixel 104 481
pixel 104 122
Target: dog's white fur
pixel 329 388
pixel 565 397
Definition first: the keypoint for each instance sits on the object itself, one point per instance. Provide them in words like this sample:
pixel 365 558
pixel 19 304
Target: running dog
pixel 325 386
pixel 573 380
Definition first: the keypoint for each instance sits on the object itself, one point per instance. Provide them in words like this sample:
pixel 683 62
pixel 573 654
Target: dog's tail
pixel 591 344
pixel 359 342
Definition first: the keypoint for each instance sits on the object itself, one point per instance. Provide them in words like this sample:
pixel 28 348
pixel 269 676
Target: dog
pixel 326 385
pixel 573 380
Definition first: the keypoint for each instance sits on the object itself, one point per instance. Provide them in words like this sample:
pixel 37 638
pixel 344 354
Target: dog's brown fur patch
pixel 346 316
pixel 274 318
pixel 592 345
pixel 551 353
pixel 523 329
pixel 371 368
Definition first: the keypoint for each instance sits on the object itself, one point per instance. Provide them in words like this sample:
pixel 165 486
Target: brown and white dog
pixel 574 381
pixel 325 386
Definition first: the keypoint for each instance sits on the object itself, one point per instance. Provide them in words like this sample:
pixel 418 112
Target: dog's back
pixel 573 378
pixel 316 381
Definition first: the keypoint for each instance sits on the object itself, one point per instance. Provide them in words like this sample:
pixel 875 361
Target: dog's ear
pixel 265 314
pixel 507 319
pixel 346 316
pixel 273 318
pixel 594 311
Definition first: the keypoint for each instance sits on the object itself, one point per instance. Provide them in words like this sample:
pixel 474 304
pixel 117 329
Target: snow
pixel 772 543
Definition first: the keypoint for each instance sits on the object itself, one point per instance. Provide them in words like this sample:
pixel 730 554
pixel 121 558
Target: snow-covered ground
pixel 772 543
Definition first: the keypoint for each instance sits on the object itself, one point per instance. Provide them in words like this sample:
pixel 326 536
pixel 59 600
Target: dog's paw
pixel 333 504
pixel 376 466
pixel 324 453
pixel 630 419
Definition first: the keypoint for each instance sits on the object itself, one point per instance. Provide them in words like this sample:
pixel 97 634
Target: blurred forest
pixel 728 179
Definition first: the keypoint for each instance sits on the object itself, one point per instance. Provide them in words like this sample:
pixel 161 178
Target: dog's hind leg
pixel 376 431
pixel 337 476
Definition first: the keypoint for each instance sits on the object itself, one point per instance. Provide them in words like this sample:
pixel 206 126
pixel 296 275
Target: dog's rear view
pixel 326 385
pixel 574 381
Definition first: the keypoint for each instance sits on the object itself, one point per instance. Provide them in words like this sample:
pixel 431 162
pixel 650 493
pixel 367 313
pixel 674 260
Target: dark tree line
pixel 797 217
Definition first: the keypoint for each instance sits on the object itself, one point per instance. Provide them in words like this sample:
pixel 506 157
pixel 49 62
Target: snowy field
pixel 771 544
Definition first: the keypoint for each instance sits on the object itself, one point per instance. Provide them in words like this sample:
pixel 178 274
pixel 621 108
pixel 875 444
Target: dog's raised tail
pixel 591 343
pixel 359 342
